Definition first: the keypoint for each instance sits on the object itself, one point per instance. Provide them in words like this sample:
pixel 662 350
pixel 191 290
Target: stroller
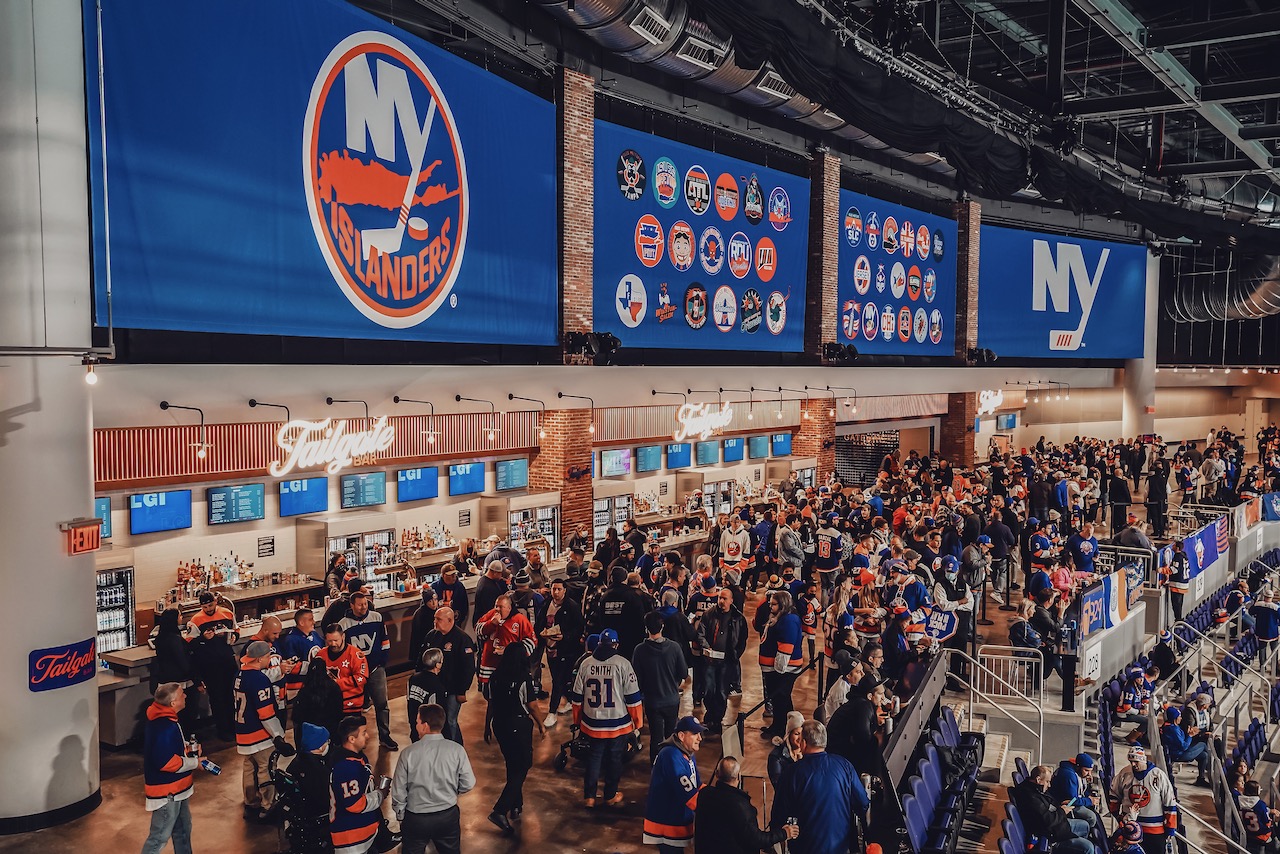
pixel 304 832
pixel 579 745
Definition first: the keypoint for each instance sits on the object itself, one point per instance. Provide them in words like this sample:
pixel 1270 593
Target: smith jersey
pixel 606 697
pixel 673 797
pixel 829 550
pixel 256 721
pixel 1147 796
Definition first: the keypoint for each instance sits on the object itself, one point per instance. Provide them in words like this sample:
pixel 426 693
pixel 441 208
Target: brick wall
pixel 816 435
pixel 968 216
pixel 566 446
pixel 956 441
pixel 821 317
pixel 577 168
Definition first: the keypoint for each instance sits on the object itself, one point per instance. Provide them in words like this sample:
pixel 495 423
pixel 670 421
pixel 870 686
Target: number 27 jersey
pixel 606 697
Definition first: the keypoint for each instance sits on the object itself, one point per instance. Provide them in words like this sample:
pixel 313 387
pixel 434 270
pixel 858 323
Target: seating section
pixel 1252 744
pixel 1245 650
pixel 1274 703
pixel 940 794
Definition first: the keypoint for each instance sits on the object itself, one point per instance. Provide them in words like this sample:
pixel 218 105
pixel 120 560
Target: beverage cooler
pixel 115 601
pixel 533 519
pixel 613 505
pixel 368 539
pixel 806 469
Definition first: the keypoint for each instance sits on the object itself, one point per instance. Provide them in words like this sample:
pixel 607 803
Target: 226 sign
pixel 62 666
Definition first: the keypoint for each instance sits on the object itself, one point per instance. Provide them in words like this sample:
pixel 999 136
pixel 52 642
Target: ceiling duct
pixel 1247 292
pixel 660 33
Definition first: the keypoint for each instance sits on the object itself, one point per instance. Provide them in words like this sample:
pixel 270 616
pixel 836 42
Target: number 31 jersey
pixel 606 697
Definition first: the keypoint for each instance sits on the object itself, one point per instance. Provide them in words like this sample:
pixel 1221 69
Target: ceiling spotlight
pixel 831 412
pixel 90 378
pixel 1057 397
pixel 1157 369
pixel 542 434
pixel 1244 370
pixel 1175 369
pixel 806 415
pixel 751 416
pixel 1195 369
pixel 592 428
pixel 980 356
pixel 490 434
pixel 1226 370
pixel 202 451
pixel 779 414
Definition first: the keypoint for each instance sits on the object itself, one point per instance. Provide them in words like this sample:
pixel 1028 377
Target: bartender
pixel 452 592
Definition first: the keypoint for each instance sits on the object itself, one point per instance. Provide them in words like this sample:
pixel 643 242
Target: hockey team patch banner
pixel 1048 296
pixel 301 167
pixel 1271 507
pixel 897 270
pixel 696 250
pixel 1201 547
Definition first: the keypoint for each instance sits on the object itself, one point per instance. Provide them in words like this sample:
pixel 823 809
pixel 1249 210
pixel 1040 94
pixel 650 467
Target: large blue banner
pixel 300 167
pixel 1201 549
pixel 1053 297
pixel 1271 507
pixel 696 250
pixel 897 272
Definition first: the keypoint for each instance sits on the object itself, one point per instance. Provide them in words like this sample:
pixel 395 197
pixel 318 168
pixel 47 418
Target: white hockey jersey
pixel 1146 797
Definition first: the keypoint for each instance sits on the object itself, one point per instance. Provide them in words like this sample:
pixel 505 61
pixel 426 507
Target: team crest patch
pixel 898 281
pixel 851 320
pixel 870 321
pixel 862 275
pixel 752 308
pixel 697 190
pixel 631 176
pixel 739 255
pixel 888 323
pixel 725 308
pixel 779 209
pixel 881 278
pixel 385 180
pixel 921 326
pixel 649 240
pixel 711 250
pixel 727 198
pixel 666 182
pixel 766 259
pixel 753 201
pixel 889 237
pixel 665 310
pixel 922 243
pixel 873 230
pixel 775 314
pixel 853 226
pixel 695 306
pixel 913 283
pixel 930 285
pixel 680 239
pixel 907 238
pixel 631 300
pixel 938 248
pixel 904 324
pixel 935 326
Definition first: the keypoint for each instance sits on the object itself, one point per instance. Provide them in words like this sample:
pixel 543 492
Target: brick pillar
pixel 968 216
pixel 821 314
pixel 956 441
pixel 566 447
pixel 577 212
pixel 817 435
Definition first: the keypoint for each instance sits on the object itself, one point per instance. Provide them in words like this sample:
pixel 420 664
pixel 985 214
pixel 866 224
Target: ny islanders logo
pixel 386 180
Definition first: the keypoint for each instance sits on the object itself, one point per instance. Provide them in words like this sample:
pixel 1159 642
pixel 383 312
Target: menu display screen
pixel 758 447
pixel 512 474
pixel 708 453
pixel 466 478
pixel 309 495
pixel 245 502
pixel 364 490
pixel 616 463
pixel 782 444
pixel 102 509
pixel 649 458
pixel 678 456
pixel 159 511
pixel 732 450
pixel 1007 422
pixel 417 484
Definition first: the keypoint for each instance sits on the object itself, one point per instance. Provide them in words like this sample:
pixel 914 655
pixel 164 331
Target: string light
pixel 90 378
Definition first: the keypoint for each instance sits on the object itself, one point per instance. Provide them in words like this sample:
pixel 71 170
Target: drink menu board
pixel 512 474
pixel 707 453
pixel 245 502
pixel 649 458
pixel 758 447
pixel 308 495
pixel 364 490
pixel 102 509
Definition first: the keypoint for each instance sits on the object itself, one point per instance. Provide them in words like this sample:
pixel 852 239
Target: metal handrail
pixel 1018 655
pixel 1216 646
pixel 1039 736
pixel 1214 831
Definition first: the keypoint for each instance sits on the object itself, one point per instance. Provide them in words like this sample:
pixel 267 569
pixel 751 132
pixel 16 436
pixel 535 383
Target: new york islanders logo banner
pixel 301 167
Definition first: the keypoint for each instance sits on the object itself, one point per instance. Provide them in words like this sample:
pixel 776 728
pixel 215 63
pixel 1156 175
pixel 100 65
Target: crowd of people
pixel 864 584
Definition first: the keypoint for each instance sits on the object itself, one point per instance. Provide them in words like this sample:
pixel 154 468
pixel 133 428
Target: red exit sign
pixel 82 535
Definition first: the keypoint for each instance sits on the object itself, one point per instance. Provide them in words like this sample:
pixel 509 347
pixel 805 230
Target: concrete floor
pixel 553 819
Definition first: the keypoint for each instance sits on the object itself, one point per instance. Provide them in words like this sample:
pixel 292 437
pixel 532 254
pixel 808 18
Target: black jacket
pixel 312 773
pixel 723 631
pixel 1040 815
pixel 487 592
pixel 322 708
pixel 572 628
pixel 173 659
pixel 459 666
pixel 851 733
pixel 622 609
pixel 726 822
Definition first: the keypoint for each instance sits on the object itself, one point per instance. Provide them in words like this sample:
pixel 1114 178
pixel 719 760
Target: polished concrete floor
pixel 554 820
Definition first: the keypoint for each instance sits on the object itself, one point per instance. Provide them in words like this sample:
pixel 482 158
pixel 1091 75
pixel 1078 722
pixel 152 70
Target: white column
pixel 48 739
pixel 1140 374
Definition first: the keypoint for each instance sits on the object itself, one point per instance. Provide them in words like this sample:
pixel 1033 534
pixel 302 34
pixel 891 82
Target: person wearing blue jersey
pixel 355 803
pixel 1256 816
pixel 365 631
pixel 168 763
pixel 673 789
pixel 828 550
pixel 1266 624
pixel 823 794
pixel 1083 548
pixel 299 642
pixel 781 657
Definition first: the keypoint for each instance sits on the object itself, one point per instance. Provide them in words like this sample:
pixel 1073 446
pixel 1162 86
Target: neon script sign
pixel 699 419
pixel 308 444
pixel 989 401
pixel 61 666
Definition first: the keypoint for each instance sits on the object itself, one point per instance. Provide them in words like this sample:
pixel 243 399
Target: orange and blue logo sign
pixel 62 666
pixel 386 179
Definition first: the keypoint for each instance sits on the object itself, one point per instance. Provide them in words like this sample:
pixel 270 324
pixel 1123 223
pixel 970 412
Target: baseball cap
pixel 206 597
pixel 1084 760
pixel 313 737
pixel 1033 521
pixel 449 569
pixel 949 563
pixel 257 649
pixel 984 540
pixel 869 683
pixel 832 516
pixel 688 723
pixel 608 636
pixel 842 661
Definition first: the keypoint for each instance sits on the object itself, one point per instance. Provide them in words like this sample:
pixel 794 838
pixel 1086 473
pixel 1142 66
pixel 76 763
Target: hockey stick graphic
pixel 1072 339
pixel 388 240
